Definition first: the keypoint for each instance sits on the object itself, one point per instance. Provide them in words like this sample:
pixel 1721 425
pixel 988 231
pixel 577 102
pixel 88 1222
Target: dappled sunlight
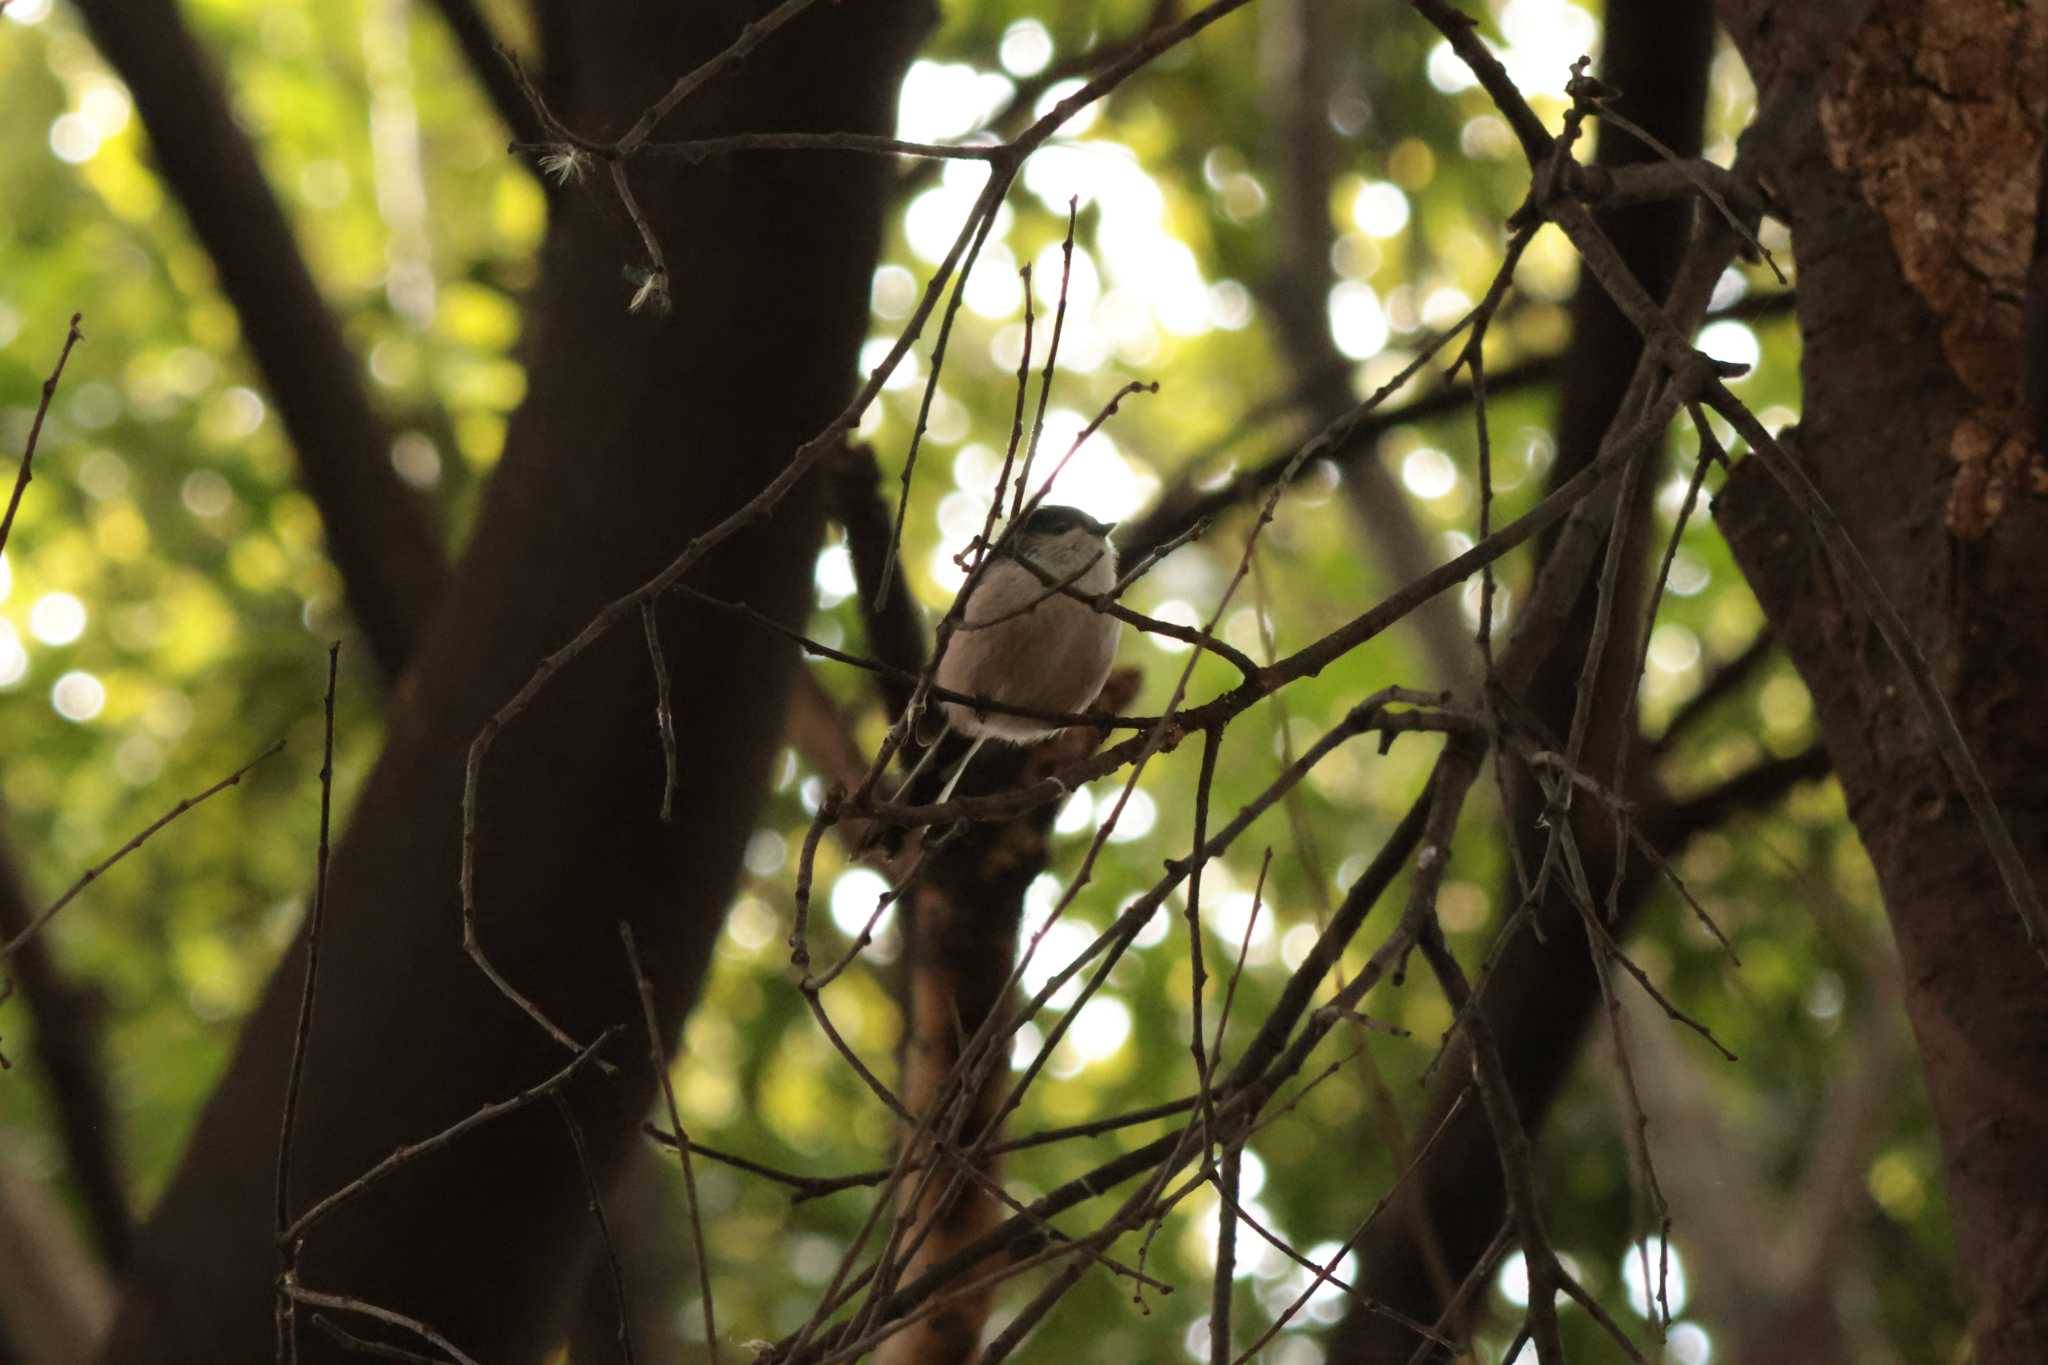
pixel 1270 221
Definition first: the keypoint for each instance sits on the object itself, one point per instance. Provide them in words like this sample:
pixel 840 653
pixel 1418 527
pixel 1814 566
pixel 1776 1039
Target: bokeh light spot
pixel 78 696
pixel 1026 48
pixel 57 618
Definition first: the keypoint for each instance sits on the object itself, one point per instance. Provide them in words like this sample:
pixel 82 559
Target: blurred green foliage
pixel 165 510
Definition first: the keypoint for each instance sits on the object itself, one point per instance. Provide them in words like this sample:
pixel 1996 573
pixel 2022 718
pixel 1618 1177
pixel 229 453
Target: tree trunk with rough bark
pixel 637 433
pixel 1903 141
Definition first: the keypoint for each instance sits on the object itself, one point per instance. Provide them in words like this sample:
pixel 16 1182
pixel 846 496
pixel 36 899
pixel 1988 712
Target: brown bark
pixel 637 433
pixel 1542 993
pixel 1904 144
pixel 960 937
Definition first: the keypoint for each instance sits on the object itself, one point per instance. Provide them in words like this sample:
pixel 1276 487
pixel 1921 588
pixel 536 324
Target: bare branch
pixel 286 1247
pixel 22 474
pixel 411 1151
pixel 664 716
pixel 595 1202
pixel 93 873
pixel 343 1303
pixel 657 1057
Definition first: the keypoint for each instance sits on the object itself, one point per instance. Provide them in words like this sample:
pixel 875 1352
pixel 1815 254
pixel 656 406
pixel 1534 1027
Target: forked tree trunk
pixel 1903 139
pixel 637 432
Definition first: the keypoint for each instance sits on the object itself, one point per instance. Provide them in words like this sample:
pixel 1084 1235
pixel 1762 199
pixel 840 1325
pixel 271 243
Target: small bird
pixel 1022 641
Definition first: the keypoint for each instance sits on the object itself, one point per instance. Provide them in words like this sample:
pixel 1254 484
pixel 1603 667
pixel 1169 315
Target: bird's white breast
pixel 1054 656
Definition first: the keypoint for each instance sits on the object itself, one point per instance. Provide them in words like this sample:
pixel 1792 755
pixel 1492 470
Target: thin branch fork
pixel 1306 663
pixel 940 1130
pixel 1690 373
pixel 412 1151
pixel 760 506
pixel 571 152
pixel 1114 941
pixel 1517 1163
pixel 755 510
pixel 1257 1075
pixel 1656 415
pixel 1312 659
pixel 804 1187
pixel 1183 505
pixel 1270 1059
pixel 1691 376
pixel 343 1303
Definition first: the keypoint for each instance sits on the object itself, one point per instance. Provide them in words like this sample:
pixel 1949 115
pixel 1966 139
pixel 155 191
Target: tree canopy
pixel 1271 221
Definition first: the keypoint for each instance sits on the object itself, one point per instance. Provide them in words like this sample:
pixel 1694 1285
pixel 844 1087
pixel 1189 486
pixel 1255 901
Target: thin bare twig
pixel 604 1227
pixel 1023 390
pixel 1244 949
pixel 868 144
pixel 749 38
pixel 657 1057
pixel 805 1187
pixel 981 219
pixel 343 1303
pixel 97 870
pixel 1700 175
pixel 800 464
pixel 652 292
pixel 286 1247
pixel 1326 1272
pixel 1052 353
pixel 1212 742
pixel 1225 1277
pixel 664 714
pixel 349 1341
pixel 411 1151
pixel 23 474
pixel 1481 1274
